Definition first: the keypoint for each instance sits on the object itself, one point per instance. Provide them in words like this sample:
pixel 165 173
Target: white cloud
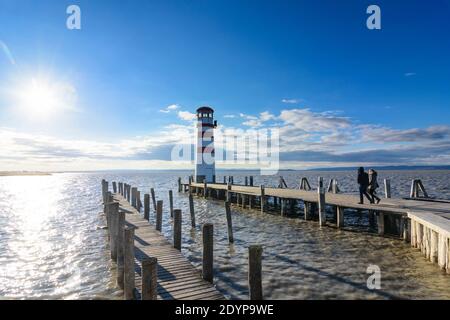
pixel 186 115
pixel 172 107
pixel 230 116
pixel 256 121
pixel 409 74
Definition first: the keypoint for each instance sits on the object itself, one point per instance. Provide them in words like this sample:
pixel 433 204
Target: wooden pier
pixel 149 267
pixel 423 222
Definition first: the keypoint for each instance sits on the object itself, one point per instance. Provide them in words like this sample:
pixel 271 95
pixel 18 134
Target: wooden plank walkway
pixel 342 200
pixel 177 277
pixel 425 223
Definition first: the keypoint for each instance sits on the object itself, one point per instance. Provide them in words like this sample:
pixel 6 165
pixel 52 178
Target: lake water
pixel 53 246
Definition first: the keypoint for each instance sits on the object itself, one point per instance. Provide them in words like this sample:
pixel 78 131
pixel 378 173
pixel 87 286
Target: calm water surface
pixel 53 245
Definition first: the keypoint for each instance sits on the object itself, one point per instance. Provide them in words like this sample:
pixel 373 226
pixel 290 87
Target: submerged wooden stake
pixel 177 220
pixel 146 206
pixel 208 252
pixel 149 269
pixel 120 246
pixel 152 192
pixel 171 203
pixel 229 222
pixel 191 210
pixel 128 252
pixel 159 211
pixel 255 272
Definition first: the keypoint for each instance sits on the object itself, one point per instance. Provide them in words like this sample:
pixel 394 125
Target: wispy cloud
pixel 291 101
pixel 186 115
pixel 170 108
pixel 7 52
pixel 409 74
pixel 230 116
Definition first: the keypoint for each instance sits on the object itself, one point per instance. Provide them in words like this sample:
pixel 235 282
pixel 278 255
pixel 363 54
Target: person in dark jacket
pixel 363 181
pixel 373 185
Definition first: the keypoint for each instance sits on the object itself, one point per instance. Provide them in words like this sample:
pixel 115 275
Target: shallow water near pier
pixel 53 244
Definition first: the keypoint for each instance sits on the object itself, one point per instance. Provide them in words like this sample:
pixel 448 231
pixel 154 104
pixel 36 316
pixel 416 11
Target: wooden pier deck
pixel 177 277
pixel 423 222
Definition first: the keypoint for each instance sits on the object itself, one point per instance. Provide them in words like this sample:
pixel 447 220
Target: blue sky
pixel 341 94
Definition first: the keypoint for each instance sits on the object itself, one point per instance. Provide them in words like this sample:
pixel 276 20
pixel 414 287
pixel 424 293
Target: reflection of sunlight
pixel 34 203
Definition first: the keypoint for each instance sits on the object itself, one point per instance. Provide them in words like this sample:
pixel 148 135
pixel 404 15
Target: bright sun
pixel 41 98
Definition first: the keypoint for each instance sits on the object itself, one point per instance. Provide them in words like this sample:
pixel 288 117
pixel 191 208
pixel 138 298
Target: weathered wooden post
pixel 171 203
pixel 307 209
pixel 152 192
pixel 208 252
pixel 255 272
pixel 179 185
pixel 246 181
pixel 149 269
pixel 380 222
pixel 177 219
pixel 229 222
pixel 228 194
pixel 159 210
pixel 128 257
pixel 263 200
pixel 147 206
pixel 205 188
pixel 387 188
pixel 138 200
pixel 251 181
pixel 134 197
pixel 191 210
pixel 283 207
pixel 113 210
pixel 114 185
pixel 120 246
pixel 339 210
pixel 321 201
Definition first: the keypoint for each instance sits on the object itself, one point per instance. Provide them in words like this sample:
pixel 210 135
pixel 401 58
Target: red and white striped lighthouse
pixel 205 168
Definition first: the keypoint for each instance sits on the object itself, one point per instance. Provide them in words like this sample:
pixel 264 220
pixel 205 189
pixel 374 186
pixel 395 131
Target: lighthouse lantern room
pixel 205 168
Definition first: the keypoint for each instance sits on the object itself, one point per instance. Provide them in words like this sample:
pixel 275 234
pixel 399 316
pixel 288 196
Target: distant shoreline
pixel 23 173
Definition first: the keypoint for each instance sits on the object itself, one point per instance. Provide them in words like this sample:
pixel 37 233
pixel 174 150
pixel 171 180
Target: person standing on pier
pixel 373 185
pixel 363 181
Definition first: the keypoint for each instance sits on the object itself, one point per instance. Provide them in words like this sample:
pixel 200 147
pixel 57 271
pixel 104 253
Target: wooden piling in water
pixel 387 188
pixel 147 206
pixel 191 210
pixel 179 184
pixel 134 197
pixel 114 185
pixel 120 246
pixel 321 202
pixel 229 222
pixel 255 272
pixel 149 267
pixel 152 192
pixel 208 252
pixel 128 253
pixel 114 222
pixel 171 203
pixel 159 212
pixel 251 181
pixel 177 223
pixel 262 200
pixel 138 200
